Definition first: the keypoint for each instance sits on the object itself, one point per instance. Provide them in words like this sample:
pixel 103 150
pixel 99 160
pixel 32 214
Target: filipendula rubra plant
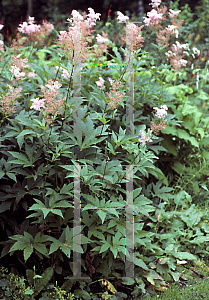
pixel 43 158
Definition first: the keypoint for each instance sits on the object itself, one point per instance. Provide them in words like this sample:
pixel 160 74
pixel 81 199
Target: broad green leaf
pixel 42 282
pixel 57 212
pixel 169 145
pixel 140 263
pixel 114 251
pixel 151 280
pixel 199 240
pixel 1 173
pixel 41 248
pixel 184 255
pixel 128 281
pixel 105 247
pixel 182 134
pixel 29 275
pixel 12 176
pixel 54 247
pixel 27 252
pixel 102 214
pixel 19 245
pixel 67 249
pixel 29 292
pixel 6 205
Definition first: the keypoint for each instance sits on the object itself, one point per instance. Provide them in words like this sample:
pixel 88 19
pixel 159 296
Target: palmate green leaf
pixel 102 119
pixel 116 239
pixel 59 204
pixel 46 211
pixel 40 205
pixel 28 237
pixel 42 124
pixel 21 159
pixel 23 243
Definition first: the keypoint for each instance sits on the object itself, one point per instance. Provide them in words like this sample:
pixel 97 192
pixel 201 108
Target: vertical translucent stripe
pixel 77 224
pixel 77 82
pixel 129 223
pixel 77 133
pixel 129 80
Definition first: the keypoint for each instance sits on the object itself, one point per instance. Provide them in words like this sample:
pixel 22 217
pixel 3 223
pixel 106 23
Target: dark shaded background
pixel 12 12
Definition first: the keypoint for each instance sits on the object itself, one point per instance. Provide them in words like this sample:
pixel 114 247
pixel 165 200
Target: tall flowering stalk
pixel 32 33
pixel 18 66
pixel 50 101
pixel 8 101
pixel 115 97
pixel 35 32
pixel 154 22
pixel 102 43
pixel 84 24
pixel 156 126
pixel 137 37
pixel 175 56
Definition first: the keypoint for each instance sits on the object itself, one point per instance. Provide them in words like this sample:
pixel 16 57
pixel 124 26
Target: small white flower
pixel 173 13
pixel 37 103
pixel 101 39
pixel 65 74
pixel 76 16
pixel 196 51
pixel 100 83
pixel 144 138
pixel 121 18
pixel 172 28
pixel 32 74
pixel 161 112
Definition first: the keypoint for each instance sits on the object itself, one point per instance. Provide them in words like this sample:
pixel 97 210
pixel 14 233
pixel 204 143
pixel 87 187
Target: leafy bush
pixel 61 140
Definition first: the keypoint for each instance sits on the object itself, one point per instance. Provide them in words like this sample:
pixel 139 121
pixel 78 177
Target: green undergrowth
pixel 193 285
pixel 196 287
pixel 13 286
